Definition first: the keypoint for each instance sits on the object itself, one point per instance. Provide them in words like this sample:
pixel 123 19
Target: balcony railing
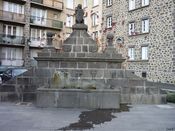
pixel 46 22
pixel 57 4
pixel 11 39
pixel 11 62
pixel 11 16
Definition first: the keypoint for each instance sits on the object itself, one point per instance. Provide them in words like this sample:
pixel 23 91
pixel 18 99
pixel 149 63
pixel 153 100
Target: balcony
pixel 48 23
pixel 11 40
pixel 17 1
pixel 12 17
pixel 38 42
pixel 52 4
pixel 11 62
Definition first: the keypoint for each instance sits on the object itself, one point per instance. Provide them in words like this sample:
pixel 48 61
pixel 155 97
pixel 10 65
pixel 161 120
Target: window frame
pixel 144 53
pixel 132 5
pixel 109 21
pixel 145 2
pixel 108 2
pixel 145 25
pixel 71 19
pixel 68 5
pixel 131 30
pixel 94 18
pixel 131 53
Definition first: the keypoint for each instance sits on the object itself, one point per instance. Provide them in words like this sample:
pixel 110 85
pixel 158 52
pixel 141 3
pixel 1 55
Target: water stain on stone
pixel 94 117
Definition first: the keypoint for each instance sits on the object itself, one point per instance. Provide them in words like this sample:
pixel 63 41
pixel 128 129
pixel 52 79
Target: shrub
pixel 171 97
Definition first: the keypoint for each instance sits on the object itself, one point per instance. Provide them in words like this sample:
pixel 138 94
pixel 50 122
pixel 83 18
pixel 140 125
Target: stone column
pixel 27 63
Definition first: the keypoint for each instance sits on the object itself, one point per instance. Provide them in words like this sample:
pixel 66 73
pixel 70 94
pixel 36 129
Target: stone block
pixel 82 65
pixel 80 40
pixel 76 98
pixel 7 88
pixel 70 41
pixel 92 48
pixel 110 74
pixel 85 48
pixel 80 54
pixel 54 64
pixel 67 48
pixel 43 64
pixel 114 65
pixel 68 64
pixel 97 65
pixel 76 48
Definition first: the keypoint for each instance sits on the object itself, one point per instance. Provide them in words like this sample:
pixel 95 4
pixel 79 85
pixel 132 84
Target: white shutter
pixel 131 4
pixel 144 53
pixel 145 26
pixel 145 2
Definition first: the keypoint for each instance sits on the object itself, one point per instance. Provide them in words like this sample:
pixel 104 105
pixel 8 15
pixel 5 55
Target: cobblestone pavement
pixel 17 117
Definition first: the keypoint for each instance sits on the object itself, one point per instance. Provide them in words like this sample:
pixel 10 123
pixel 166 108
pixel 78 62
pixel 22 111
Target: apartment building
pixel 144 32
pixel 25 26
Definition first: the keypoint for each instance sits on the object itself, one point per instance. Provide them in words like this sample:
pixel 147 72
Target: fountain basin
pixel 78 98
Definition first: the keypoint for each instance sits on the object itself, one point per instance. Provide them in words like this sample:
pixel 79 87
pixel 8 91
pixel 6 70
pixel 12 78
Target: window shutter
pixel 146 25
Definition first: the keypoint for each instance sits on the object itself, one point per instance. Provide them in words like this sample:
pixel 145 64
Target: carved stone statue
pixel 79 14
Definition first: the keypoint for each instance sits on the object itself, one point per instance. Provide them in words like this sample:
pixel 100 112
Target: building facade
pixel 144 32
pixel 27 25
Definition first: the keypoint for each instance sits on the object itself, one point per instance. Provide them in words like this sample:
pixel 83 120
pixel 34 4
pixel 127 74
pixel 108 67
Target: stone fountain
pixel 79 77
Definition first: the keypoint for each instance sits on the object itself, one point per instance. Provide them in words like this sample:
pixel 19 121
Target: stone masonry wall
pixel 160 39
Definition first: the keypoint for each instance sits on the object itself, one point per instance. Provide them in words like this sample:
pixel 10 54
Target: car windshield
pixel 17 72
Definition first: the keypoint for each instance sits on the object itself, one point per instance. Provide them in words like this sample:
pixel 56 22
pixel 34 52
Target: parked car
pixel 6 73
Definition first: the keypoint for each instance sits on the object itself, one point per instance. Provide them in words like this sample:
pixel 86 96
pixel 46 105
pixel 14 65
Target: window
pixel 131 28
pixel 95 35
pixel 36 34
pixel 95 2
pixel 145 26
pixel 69 21
pixel 13 7
pixel 94 19
pixel 109 2
pixel 70 4
pixel 145 2
pixel 38 16
pixel 145 53
pixel 109 22
pixel 12 30
pixel 131 4
pixel 85 3
pixel 131 52
pixel 11 53
pixel 144 74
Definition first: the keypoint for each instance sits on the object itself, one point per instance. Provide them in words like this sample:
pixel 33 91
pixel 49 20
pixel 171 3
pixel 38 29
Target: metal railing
pixel 58 4
pixel 11 39
pixel 11 16
pixel 46 22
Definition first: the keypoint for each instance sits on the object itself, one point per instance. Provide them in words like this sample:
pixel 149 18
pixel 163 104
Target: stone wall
pixel 160 38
